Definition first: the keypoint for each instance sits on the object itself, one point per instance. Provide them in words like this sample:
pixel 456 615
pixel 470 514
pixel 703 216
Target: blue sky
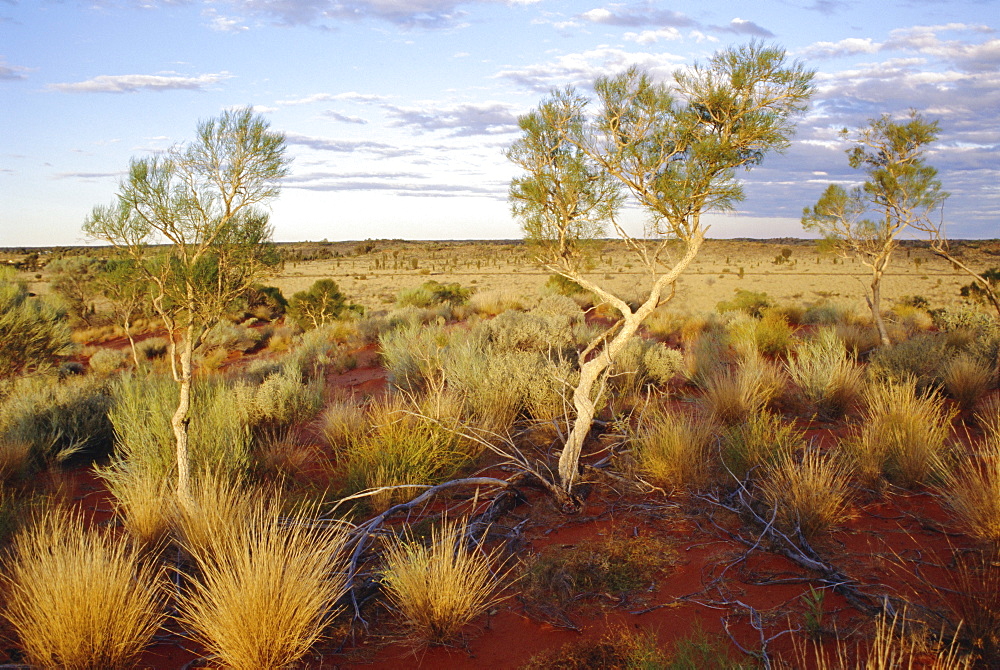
pixel 397 111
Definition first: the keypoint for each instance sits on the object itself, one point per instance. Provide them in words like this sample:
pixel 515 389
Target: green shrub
pixel 561 285
pixel 320 305
pixel 59 418
pixel 825 374
pixel 33 333
pixel 230 337
pixel 763 439
pixel 432 293
pixel 924 357
pixel 413 356
pixel 143 406
pixel 107 361
pixel 827 314
pixel 770 334
pixel 642 362
pixel 279 401
pixel 532 331
pixel 751 302
pixel 904 434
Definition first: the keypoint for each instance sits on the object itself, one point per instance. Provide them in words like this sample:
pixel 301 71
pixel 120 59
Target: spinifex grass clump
pixel 402 448
pixel 671 448
pixel 811 494
pixel 763 439
pixel 264 587
pixel 966 380
pixel 972 490
pixel 903 434
pixel 824 373
pixel 144 501
pixel 733 394
pixel 440 587
pixel 80 600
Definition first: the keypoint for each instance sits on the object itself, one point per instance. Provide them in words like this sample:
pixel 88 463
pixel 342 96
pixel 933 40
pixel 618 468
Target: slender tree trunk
pixel 876 305
pixel 592 369
pixel 181 419
pixel 127 326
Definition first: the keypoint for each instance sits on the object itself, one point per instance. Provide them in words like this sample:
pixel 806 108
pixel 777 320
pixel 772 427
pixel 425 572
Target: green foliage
pixel 924 357
pixel 643 362
pixel 561 285
pixel 107 361
pixel 825 374
pixel 750 302
pixel 976 292
pixel 320 305
pixel 33 333
pixel 73 280
pixel 432 293
pixel 144 438
pixel 58 418
pixel 265 302
pixel 763 439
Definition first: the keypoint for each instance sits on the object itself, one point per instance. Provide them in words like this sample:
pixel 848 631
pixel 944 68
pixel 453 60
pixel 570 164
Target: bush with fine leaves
pixel 33 333
pixel 320 305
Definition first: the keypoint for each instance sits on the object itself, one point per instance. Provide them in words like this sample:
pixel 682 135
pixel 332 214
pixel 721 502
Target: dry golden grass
pixel 825 374
pixel 342 419
pixel 762 439
pixel 144 500
pixel 812 493
pixel 987 413
pixel 441 587
pixel 966 380
pixel 972 490
pixel 78 599
pixel 219 503
pixel 265 589
pixel 894 646
pixel 15 455
pixel 671 449
pixel 903 434
pixel 733 394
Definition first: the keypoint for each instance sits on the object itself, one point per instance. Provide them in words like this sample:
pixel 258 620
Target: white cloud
pixel 12 72
pixel 132 83
pixel 651 36
pixel 845 47
pixel 582 69
pixel 462 120
pixel 350 96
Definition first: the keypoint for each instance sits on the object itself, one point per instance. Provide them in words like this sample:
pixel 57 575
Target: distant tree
pixel 901 191
pixel 73 280
pixel 675 150
pixel 125 286
pixel 205 202
pixel 321 304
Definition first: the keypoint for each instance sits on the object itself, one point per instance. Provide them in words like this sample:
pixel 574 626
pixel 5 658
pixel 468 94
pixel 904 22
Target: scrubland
pixel 765 485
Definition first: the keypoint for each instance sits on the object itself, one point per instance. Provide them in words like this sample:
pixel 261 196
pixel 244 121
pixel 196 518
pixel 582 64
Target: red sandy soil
pixel 899 543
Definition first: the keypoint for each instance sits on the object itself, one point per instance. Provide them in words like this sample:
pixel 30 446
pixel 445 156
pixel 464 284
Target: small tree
pixel 321 304
pixel 204 201
pixel 123 283
pixel 675 150
pixel 901 191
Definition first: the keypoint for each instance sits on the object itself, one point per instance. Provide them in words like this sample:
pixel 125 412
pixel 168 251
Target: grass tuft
pixel 811 494
pixel 78 599
pixel 439 588
pixel 671 449
pixel 265 587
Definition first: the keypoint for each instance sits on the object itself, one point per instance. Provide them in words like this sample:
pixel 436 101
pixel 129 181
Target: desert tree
pixel 193 221
pixel 901 191
pixel 675 149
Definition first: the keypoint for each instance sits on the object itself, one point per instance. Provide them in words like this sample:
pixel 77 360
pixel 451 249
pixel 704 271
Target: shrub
pixel 320 305
pixel 770 334
pixel 413 356
pixel 761 440
pixel 61 419
pixel 922 357
pixel 152 348
pixel 560 306
pixel 614 565
pixel 810 494
pixel 144 438
pixel 432 293
pixel 340 422
pixel 705 355
pixel 752 303
pixel 903 434
pixel 642 362
pixel 279 401
pixel 561 285
pixel 144 502
pixel 976 292
pixel 106 362
pixel 825 375
pixel 80 600
pixel 827 314
pixel 496 302
pixel 439 588
pixel 532 331
pixel 859 339
pixel 401 449
pixel 266 588
pixel 618 649
pixel 230 337
pixel 33 333
pixel 671 449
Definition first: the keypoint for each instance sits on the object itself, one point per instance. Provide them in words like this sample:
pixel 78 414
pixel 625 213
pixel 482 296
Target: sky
pixel 397 112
